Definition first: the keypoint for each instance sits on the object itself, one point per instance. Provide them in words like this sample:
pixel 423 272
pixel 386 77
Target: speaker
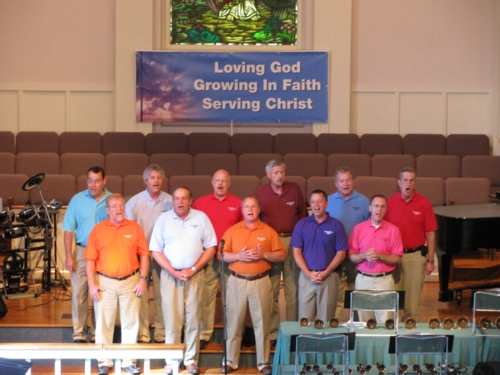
pixel 14 366
pixel 3 308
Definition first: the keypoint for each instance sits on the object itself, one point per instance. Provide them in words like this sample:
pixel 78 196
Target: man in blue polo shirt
pixel 319 246
pixel 85 210
pixel 350 208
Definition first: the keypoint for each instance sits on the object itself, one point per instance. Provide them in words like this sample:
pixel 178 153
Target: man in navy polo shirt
pixel 319 246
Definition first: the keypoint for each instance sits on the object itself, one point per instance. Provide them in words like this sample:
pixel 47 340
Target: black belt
pixel 79 244
pixel 285 234
pixel 120 278
pixel 250 277
pixel 375 274
pixel 413 250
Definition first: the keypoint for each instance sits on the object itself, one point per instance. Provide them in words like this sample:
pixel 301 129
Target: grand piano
pixel 464 228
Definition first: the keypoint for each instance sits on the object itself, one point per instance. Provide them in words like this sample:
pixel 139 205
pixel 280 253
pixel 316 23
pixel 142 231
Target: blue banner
pixel 239 87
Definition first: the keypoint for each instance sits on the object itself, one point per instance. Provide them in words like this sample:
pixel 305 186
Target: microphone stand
pixel 223 300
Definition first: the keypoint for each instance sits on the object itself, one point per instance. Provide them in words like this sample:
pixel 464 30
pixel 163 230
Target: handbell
pixel 497 323
pixel 463 322
pixel 304 322
pixel 371 324
pixel 410 323
pixel 330 368
pixel 334 323
pixel 486 322
pixel 449 323
pixel 434 323
pixel 389 324
pixel 318 324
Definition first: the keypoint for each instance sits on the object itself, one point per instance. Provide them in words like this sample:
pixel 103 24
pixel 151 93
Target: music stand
pixel 322 343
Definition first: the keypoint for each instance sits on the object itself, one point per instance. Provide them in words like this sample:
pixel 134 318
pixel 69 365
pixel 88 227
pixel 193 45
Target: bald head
pixel 220 183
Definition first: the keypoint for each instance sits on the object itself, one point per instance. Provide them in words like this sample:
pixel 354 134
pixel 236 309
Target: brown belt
pixel 250 277
pixel 285 234
pixel 119 277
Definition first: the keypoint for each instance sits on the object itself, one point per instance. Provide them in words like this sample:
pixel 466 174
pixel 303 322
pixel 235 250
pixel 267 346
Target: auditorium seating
pixel 11 186
pixel 55 186
pixel 244 186
pixel 199 185
pixel 369 185
pixel 310 160
pixel 467 191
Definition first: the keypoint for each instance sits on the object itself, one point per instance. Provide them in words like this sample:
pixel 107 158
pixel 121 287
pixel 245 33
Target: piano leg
pixel 444 265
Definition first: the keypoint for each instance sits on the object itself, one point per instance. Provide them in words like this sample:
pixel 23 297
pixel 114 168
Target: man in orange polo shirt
pixel 117 256
pixel 250 246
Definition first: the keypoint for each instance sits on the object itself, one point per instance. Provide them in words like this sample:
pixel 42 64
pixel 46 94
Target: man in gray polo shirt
pixel 144 208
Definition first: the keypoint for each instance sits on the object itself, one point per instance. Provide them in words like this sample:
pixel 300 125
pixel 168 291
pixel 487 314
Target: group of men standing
pixel 263 239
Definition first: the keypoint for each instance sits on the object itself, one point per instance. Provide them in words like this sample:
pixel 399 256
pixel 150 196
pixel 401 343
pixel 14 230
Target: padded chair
pixel 330 143
pixel 299 180
pixel 113 184
pixel 433 189
pixel 424 144
pixel 174 164
pixel 373 144
pixel 255 164
pixel 82 142
pixel 55 186
pixel 208 164
pixel 444 166
pixel 166 143
pixel 483 166
pixel 467 144
pixel 77 164
pixel 31 163
pixel 122 142
pixel 360 164
pixel 7 142
pixel 209 143
pixel 37 142
pixel 199 185
pixel 467 191
pixel 297 143
pixel 369 186
pixel 325 183
pixel 134 184
pixel 11 186
pixel 122 164
pixel 252 143
pixel 305 165
pixel 391 165
pixel 7 163
pixel 244 186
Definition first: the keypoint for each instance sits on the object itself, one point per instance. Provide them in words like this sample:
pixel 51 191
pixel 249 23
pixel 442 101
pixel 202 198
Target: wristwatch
pixel 144 278
pixel 193 268
pixel 430 261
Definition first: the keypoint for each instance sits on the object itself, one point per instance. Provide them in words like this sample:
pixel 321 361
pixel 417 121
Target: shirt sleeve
pixel 69 222
pixel 156 242
pixel 353 241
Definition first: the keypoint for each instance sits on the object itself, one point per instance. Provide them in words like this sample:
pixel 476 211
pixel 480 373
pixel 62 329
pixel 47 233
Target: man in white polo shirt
pixel 182 243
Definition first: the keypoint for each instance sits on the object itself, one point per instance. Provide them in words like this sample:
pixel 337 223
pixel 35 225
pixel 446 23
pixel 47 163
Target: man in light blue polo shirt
pixel 320 245
pixel 350 208
pixel 85 210
pixel 144 208
pixel 182 243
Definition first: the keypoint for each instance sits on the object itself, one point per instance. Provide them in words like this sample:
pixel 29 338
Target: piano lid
pixel 469 211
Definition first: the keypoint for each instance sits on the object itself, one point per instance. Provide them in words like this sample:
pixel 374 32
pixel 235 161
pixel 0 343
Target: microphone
pixel 221 248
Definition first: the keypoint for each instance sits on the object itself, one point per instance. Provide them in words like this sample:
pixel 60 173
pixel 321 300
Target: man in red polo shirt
pixel 282 205
pixel 224 210
pixel 413 215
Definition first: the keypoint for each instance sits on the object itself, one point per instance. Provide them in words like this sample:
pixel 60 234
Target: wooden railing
pixel 60 351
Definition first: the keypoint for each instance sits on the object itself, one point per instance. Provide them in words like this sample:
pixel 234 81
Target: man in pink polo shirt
pixel 376 248
pixel 224 210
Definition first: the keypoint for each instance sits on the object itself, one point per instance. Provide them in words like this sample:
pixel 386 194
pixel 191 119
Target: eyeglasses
pixel 116 206
pixel 93 182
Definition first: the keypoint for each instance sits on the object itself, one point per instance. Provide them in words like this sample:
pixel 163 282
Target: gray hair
pixel 343 169
pixel 407 170
pixel 113 196
pixel 150 168
pixel 274 163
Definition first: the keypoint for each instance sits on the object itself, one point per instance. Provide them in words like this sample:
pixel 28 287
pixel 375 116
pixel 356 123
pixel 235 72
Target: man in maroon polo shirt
pixel 282 205
pixel 224 210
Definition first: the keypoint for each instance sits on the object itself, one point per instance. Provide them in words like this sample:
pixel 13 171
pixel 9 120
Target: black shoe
pixel 80 341
pixel 203 344
pixel 103 370
pixel 132 369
